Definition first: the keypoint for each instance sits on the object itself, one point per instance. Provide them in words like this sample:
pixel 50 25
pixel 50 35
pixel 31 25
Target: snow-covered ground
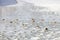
pixel 26 21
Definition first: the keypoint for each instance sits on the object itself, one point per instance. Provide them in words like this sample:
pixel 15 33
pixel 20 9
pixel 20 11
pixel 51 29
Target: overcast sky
pixel 7 2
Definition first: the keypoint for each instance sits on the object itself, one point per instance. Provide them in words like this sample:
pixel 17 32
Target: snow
pixel 29 22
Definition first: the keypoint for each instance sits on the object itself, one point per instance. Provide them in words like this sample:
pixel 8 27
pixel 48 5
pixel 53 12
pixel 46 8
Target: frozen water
pixel 29 22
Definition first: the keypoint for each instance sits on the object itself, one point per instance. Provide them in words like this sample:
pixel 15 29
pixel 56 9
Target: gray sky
pixel 7 2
